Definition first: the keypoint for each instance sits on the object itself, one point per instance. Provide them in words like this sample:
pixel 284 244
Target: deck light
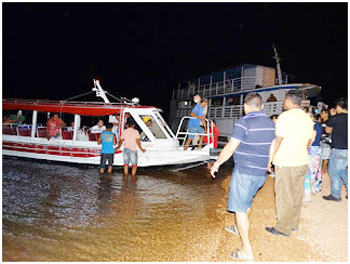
pixel 135 100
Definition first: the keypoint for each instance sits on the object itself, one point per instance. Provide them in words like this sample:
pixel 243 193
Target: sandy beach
pixel 322 234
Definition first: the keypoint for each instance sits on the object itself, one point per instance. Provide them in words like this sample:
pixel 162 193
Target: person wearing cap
pixel 194 124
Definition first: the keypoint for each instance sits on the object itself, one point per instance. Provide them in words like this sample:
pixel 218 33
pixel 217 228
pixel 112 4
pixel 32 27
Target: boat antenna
pixel 99 91
pixel 278 65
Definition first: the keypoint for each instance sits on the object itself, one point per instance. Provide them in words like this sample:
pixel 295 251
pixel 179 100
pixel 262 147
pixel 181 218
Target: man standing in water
pixel 108 141
pixel 194 124
pixel 131 137
pixel 290 156
pixel 251 139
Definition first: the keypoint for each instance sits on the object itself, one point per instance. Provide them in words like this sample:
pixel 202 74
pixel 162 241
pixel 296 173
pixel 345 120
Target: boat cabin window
pixel 153 127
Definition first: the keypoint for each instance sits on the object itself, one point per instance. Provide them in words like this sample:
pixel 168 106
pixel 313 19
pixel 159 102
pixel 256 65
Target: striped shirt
pixel 256 132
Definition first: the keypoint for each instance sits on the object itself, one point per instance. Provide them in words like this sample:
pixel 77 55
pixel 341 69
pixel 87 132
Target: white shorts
pixel 326 150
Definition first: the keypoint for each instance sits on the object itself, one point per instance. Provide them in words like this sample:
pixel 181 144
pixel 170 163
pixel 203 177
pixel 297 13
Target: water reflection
pixel 85 216
pixel 104 192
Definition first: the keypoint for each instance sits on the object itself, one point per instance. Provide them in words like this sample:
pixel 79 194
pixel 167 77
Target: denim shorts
pixel 194 129
pixel 242 191
pixel 105 158
pixel 130 156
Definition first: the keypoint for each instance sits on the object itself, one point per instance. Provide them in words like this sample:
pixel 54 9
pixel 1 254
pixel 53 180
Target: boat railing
pixel 17 129
pixel 182 132
pixel 224 87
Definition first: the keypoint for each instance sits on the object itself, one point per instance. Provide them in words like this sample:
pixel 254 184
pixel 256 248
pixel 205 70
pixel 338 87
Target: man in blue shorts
pixel 252 136
pixel 194 124
pixel 108 141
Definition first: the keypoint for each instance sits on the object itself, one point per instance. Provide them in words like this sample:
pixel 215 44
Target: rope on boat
pixel 80 95
pixel 114 97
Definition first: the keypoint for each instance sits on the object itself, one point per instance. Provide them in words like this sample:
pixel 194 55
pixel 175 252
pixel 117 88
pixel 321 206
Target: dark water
pixel 54 212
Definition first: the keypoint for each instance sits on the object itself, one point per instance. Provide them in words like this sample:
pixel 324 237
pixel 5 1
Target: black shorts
pixel 105 158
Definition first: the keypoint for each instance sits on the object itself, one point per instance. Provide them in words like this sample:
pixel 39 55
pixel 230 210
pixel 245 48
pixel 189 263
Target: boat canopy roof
pixel 78 108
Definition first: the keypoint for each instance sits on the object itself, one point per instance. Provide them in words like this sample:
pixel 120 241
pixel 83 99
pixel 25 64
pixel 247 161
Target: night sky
pixel 53 51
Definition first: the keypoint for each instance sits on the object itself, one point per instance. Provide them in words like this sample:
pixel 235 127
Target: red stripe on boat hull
pixel 52 150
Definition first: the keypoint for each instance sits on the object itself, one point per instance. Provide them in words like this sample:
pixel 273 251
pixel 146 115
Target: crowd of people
pixel 298 146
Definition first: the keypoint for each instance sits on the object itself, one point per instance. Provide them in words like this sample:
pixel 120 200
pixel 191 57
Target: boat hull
pixel 62 151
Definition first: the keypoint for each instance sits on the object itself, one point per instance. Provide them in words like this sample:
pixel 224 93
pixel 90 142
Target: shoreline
pixel 195 237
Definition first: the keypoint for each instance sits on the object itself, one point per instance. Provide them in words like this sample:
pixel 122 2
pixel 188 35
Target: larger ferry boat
pixel 226 91
pixel 29 139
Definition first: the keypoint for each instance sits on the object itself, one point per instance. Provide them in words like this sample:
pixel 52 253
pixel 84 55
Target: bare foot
pixel 209 165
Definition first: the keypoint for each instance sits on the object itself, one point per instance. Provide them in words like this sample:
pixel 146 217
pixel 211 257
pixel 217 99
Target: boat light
pixel 135 100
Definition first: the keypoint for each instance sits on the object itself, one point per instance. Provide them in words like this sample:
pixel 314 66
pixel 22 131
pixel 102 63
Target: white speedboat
pixel 29 140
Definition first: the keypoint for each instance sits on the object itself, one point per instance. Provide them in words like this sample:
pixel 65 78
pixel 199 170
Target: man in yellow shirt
pixel 290 157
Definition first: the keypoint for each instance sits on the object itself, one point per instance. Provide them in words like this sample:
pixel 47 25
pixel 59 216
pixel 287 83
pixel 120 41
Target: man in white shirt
pixel 115 120
pixel 99 128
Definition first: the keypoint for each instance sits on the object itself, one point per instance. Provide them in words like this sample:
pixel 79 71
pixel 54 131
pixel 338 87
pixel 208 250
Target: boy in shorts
pixel 108 141
pixel 132 140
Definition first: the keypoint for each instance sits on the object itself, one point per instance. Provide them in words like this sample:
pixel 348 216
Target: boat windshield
pixel 153 126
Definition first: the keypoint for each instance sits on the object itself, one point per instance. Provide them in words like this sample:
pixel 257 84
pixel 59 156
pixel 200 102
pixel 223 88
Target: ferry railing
pixel 236 111
pixel 224 87
pixel 182 135
pixel 233 111
pixel 273 108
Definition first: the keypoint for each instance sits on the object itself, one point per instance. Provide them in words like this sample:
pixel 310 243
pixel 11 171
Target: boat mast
pixel 278 65
pixel 99 91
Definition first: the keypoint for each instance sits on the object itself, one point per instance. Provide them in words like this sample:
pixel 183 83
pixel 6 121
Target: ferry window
pixel 216 102
pixel 183 104
pixel 153 126
pixel 234 100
